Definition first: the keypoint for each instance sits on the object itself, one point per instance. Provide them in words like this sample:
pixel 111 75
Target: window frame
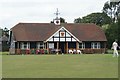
pixel 51 44
pixel 40 45
pixel 95 45
pixel 25 45
pixel 82 45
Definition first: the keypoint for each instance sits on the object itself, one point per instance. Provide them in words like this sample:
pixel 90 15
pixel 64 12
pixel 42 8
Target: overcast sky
pixel 42 11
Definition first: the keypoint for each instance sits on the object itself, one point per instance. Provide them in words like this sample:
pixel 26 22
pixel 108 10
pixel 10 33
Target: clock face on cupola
pixel 57 20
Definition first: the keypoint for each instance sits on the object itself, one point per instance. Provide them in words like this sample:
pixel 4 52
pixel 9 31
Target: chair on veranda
pixel 18 51
pixel 45 51
pixel 33 51
pixel 37 51
pixel 42 51
pixel 27 51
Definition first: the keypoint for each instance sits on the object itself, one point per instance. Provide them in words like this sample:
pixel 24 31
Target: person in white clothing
pixel 114 46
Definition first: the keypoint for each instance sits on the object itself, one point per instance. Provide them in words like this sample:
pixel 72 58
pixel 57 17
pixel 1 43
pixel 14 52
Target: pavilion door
pixel 62 46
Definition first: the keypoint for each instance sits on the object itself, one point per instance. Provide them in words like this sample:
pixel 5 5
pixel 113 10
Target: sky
pixel 13 12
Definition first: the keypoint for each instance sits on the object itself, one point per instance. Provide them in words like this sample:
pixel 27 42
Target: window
pixel 40 45
pixel 82 45
pixel 25 45
pixel 51 45
pixel 72 45
pixel 95 45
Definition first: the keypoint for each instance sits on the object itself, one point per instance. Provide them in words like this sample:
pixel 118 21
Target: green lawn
pixel 60 66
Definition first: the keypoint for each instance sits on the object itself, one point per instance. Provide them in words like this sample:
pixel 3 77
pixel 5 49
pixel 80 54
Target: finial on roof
pixel 57 13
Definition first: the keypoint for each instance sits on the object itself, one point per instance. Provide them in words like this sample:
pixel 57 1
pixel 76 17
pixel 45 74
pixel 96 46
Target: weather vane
pixel 57 13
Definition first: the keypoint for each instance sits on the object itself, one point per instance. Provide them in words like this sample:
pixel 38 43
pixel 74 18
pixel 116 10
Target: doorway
pixel 62 46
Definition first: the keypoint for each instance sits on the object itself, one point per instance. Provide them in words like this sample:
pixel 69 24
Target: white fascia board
pixel 72 35
pixel 68 33
pixel 53 35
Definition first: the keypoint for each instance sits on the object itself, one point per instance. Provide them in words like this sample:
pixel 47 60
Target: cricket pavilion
pixel 56 37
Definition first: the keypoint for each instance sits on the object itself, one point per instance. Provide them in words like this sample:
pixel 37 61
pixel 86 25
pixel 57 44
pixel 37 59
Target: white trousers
pixel 115 53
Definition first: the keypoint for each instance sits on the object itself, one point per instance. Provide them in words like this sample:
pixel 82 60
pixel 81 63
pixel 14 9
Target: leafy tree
pixel 111 33
pixel 112 9
pixel 119 30
pixel 5 32
pixel 78 20
pixel 62 20
pixel 96 18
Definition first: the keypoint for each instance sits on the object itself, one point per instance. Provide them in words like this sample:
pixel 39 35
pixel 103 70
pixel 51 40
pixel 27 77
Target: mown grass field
pixel 60 66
